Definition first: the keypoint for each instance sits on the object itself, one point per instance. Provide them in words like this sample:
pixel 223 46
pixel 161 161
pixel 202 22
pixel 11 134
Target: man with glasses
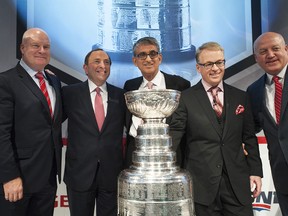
pixel 147 58
pixel 216 119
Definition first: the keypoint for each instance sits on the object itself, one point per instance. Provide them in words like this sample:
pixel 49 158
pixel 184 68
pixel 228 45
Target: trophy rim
pixel 152 90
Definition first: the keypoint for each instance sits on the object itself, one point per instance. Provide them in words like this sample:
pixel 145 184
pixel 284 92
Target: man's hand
pixel 244 150
pixel 13 190
pixel 255 185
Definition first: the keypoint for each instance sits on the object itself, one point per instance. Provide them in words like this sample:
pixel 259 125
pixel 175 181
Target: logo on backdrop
pixel 264 201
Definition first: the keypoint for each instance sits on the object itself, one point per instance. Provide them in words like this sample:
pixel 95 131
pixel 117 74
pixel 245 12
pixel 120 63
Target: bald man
pixel 30 131
pixel 271 54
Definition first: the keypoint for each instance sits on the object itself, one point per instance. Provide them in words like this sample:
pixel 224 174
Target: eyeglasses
pixel 209 65
pixel 152 54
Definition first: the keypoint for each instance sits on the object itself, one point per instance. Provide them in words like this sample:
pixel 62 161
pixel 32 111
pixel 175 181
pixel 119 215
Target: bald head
pixel 32 33
pixel 271 52
pixel 268 36
pixel 35 49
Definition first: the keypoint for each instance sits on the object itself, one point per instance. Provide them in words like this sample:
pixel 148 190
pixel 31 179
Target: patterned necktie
pixel 99 108
pixel 217 105
pixel 277 98
pixel 43 88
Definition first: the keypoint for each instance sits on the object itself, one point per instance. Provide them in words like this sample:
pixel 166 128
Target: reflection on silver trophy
pixel 154 185
pixel 122 22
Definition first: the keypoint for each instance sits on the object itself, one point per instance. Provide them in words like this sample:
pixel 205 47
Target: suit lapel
pixel 168 82
pixel 136 85
pixel 284 94
pixel 87 104
pixel 52 82
pixel 262 101
pixel 203 99
pixel 228 98
pixel 30 83
pixel 110 105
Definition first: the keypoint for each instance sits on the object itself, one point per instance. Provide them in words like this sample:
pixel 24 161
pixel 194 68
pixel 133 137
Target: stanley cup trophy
pixel 154 185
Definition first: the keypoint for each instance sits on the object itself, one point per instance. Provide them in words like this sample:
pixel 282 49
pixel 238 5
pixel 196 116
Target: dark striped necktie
pixel 277 98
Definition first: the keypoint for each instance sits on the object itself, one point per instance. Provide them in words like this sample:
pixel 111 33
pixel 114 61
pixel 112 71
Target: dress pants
pixel 130 147
pixel 283 202
pixel 82 203
pixel 32 204
pixel 225 204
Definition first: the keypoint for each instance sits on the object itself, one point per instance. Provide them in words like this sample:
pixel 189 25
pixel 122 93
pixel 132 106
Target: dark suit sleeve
pixel 125 86
pixel 186 84
pixel 253 92
pixel 178 124
pixel 250 141
pixel 8 166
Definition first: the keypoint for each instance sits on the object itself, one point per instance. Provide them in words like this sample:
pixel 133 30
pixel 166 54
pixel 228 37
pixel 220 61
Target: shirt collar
pixel 157 80
pixel 92 86
pixel 208 86
pixel 281 75
pixel 29 70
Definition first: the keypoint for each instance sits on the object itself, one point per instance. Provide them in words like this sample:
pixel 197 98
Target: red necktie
pixel 43 88
pixel 277 98
pixel 217 105
pixel 99 108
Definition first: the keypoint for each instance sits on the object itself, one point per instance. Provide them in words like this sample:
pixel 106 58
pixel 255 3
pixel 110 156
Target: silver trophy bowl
pixel 152 104
pixel 154 185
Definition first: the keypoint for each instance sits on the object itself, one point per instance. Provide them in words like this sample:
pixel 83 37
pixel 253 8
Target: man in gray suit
pixel 271 53
pixel 216 119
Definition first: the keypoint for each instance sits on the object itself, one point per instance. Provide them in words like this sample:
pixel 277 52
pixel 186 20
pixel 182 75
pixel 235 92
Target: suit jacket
pixel 30 140
pixel 277 138
pixel 90 151
pixel 211 147
pixel 172 82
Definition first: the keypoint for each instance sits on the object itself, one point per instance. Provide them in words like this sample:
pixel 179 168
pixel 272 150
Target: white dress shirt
pixel 104 94
pixel 50 89
pixel 270 91
pixel 158 83
pixel 220 93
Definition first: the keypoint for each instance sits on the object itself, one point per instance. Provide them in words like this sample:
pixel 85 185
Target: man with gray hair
pixel 147 57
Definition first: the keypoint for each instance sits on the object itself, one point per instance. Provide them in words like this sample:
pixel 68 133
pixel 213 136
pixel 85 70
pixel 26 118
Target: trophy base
pixel 145 208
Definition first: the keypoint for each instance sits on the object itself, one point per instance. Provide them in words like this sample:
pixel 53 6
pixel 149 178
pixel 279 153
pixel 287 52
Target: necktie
pixel 277 98
pixel 99 108
pixel 217 106
pixel 43 88
pixel 150 85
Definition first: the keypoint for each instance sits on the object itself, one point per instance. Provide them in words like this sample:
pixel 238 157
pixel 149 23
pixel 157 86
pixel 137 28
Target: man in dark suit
pixel 30 131
pixel 271 53
pixel 94 156
pixel 147 58
pixel 215 126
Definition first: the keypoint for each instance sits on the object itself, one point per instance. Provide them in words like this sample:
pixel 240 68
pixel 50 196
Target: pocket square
pixel 240 109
